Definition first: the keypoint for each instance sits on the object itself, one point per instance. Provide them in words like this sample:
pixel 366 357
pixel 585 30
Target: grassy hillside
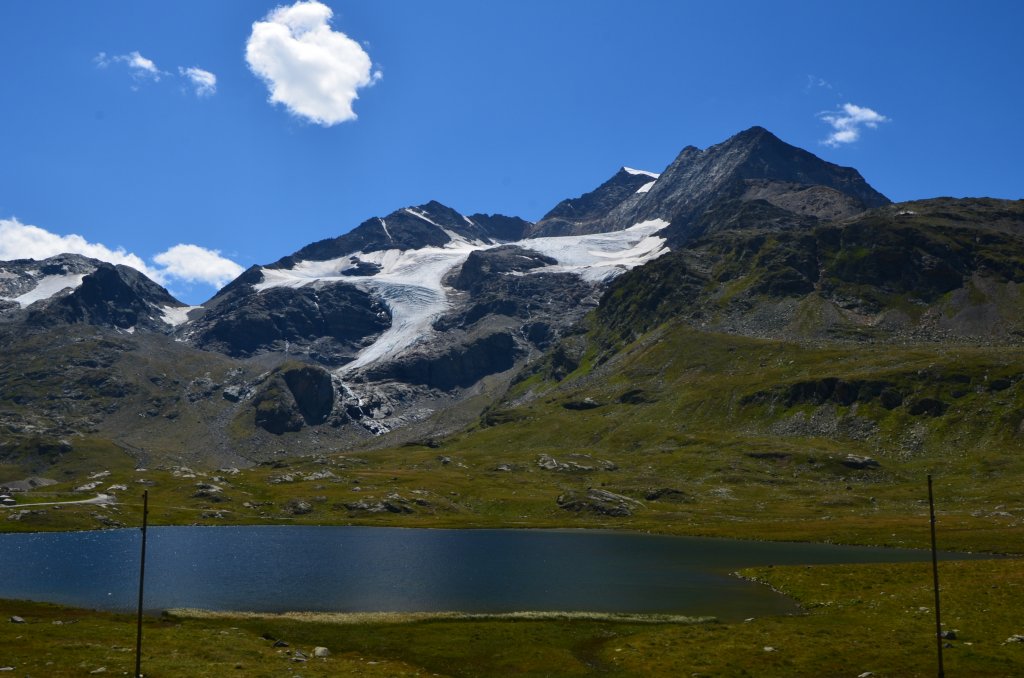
pixel 693 433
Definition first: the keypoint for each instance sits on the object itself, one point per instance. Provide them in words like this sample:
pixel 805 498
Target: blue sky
pixel 486 106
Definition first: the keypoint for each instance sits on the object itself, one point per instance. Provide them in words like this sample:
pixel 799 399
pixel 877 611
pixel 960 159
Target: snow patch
pixel 423 216
pixel 384 225
pixel 601 256
pixel 646 187
pixel 644 172
pixel 176 315
pixel 49 286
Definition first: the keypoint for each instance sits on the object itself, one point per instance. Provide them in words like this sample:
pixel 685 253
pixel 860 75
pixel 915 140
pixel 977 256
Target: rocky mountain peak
pixel 754 165
pixel 71 288
pixel 432 224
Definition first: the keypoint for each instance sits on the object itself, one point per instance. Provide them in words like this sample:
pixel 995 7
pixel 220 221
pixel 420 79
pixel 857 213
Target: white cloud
pixel 847 123
pixel 141 67
pixel 186 263
pixel 204 82
pixel 314 71
pixel 22 241
pixel 192 263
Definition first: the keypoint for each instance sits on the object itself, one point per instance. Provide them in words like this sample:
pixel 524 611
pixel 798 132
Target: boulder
pixel 667 494
pixel 601 502
pixel 585 404
pixel 298 507
pixel 295 395
pixel 860 462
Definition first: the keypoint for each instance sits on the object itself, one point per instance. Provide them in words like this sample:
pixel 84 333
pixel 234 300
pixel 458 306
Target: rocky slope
pixel 932 270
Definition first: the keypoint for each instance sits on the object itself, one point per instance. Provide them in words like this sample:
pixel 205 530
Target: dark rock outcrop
pixel 482 267
pixel 330 322
pixel 294 396
pixel 600 502
pixel 501 228
pixel 458 367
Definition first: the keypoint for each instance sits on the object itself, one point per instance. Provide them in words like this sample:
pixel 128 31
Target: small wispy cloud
pixel 848 121
pixel 181 263
pixel 314 71
pixel 814 82
pixel 140 67
pixel 203 82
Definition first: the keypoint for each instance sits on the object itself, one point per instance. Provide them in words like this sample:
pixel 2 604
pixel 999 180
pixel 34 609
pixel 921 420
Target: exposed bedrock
pixel 458 367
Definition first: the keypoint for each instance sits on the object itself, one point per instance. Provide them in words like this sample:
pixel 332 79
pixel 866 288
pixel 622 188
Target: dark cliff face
pixel 501 228
pixel 294 396
pixel 588 213
pixel 331 322
pixel 460 366
pixel 488 264
pixel 114 296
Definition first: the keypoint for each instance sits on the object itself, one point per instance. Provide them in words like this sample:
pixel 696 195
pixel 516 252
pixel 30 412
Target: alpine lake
pixel 370 569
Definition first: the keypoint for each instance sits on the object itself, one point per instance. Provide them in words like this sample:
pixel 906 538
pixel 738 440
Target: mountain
pixel 71 288
pixel 413 325
pixel 588 213
pixel 704 190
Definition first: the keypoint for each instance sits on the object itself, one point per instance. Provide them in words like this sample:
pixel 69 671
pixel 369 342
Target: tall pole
pixel 935 578
pixel 142 581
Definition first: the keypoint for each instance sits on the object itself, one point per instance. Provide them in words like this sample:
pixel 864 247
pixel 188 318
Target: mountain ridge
pixel 422 319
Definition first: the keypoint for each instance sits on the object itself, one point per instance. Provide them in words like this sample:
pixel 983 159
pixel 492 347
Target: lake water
pixel 361 569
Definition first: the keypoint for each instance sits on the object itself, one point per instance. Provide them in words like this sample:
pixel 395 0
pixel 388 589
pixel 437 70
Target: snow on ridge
pixel 457 241
pixel 423 216
pixel 644 172
pixel 49 286
pixel 646 187
pixel 176 315
pixel 409 281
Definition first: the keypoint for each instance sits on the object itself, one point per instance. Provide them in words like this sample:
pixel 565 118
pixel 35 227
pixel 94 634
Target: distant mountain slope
pixel 70 288
pixel 935 270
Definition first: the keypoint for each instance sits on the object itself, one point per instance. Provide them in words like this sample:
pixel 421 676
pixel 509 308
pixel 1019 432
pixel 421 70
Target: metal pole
pixel 935 578
pixel 142 581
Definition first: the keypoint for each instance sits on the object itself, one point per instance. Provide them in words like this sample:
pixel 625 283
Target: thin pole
pixel 935 578
pixel 142 581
